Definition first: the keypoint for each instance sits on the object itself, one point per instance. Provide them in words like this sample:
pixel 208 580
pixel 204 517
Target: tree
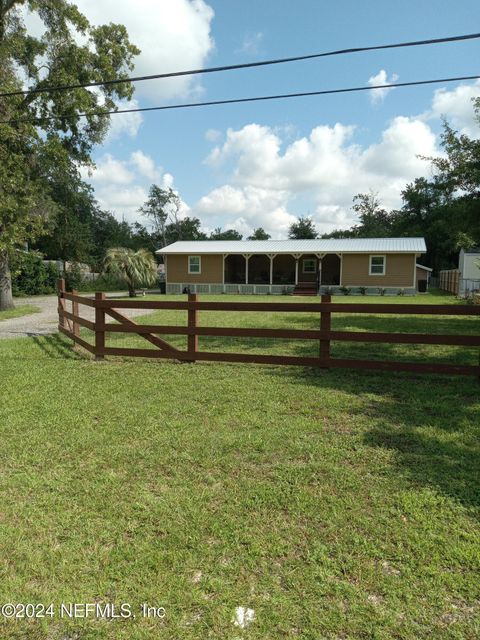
pixel 162 209
pixel 44 131
pixel 184 229
pixel 259 234
pixel 303 229
pixel 228 234
pixel 133 267
pixel 374 220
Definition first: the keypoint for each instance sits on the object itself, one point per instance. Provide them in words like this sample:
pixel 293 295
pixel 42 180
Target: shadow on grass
pixel 54 346
pixel 431 423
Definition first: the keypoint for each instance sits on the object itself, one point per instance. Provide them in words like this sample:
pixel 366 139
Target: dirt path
pixel 46 321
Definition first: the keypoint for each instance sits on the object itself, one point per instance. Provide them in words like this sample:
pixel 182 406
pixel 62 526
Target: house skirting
pixel 273 289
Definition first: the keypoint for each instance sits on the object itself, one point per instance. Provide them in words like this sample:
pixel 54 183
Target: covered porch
pixel 289 270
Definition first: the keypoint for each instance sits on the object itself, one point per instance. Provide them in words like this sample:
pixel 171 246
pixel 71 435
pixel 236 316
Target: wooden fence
pixel 449 280
pixel 70 323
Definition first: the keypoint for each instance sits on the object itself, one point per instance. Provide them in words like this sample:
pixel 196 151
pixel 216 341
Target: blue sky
pixel 262 164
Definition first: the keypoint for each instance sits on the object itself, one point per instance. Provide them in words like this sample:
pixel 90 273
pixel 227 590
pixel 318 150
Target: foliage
pixel 228 234
pixel 31 276
pixel 135 268
pixel 362 290
pixel 401 292
pixel 259 234
pixel 162 209
pixel 45 134
pixel 346 291
pixel 382 291
pixel 303 229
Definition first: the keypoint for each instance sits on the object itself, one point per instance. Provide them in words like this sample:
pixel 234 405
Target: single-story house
pixel 299 266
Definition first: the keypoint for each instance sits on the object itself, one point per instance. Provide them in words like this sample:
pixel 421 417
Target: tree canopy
pixel 44 133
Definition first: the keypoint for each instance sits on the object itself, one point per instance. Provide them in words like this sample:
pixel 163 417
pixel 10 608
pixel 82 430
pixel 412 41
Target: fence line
pixel 449 281
pixel 70 323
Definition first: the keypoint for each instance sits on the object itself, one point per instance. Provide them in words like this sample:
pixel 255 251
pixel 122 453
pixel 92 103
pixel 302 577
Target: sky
pixel 264 164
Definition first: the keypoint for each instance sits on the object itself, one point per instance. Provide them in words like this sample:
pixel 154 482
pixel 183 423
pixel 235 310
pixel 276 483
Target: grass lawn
pixel 336 504
pixel 18 311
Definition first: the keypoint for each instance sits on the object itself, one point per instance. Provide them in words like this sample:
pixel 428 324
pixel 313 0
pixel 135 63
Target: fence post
pixel 76 313
pixel 325 326
pixel 192 347
pixel 61 301
pixel 99 321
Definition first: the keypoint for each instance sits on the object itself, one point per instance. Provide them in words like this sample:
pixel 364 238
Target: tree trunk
pixel 6 298
pixel 131 292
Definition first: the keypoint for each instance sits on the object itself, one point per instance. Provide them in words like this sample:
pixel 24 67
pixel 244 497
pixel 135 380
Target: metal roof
pixel 343 245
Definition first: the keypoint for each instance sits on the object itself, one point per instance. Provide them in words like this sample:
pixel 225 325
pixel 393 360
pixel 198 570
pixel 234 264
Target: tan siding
pixel 399 272
pixel 212 270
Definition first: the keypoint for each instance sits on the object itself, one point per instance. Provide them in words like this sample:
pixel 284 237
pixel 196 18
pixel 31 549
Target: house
pixel 298 266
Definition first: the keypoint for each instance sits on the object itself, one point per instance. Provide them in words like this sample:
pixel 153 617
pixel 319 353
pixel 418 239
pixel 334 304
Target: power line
pixel 241 100
pixel 247 65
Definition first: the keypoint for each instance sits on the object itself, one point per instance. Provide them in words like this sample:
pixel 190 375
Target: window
pixel 377 266
pixel 309 266
pixel 194 264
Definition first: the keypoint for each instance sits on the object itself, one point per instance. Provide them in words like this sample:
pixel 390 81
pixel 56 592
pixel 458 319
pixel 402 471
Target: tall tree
pixel 162 209
pixel 259 234
pixel 303 229
pixel 40 131
pixel 374 221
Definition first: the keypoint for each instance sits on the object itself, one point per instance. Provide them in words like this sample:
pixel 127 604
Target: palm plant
pixel 133 267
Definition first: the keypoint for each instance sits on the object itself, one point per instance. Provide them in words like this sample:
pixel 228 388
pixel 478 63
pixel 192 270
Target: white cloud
pixel 213 135
pixel 251 43
pixel 145 166
pixel 121 186
pixel 325 169
pixel 125 124
pixel 173 35
pixel 377 96
pixel 456 106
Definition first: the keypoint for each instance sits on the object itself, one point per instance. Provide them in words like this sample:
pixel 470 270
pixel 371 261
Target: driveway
pixel 46 321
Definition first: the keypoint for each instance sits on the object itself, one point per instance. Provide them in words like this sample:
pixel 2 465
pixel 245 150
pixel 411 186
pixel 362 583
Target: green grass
pixel 18 311
pixel 336 504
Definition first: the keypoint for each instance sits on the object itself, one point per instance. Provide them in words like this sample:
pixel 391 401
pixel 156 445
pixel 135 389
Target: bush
pixel 346 291
pixel 401 292
pixel 31 276
pixel 363 290
pixel 382 291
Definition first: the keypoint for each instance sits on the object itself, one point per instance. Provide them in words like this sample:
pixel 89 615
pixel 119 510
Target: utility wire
pixel 241 100
pixel 247 65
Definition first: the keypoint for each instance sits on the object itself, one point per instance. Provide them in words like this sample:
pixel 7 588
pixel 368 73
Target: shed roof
pixel 343 245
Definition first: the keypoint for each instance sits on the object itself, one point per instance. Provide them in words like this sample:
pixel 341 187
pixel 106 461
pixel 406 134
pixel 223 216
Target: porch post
pixel 247 258
pixel 297 258
pixel 272 258
pixel 223 269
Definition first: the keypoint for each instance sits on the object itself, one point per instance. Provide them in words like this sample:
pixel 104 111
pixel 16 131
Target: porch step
pixel 302 289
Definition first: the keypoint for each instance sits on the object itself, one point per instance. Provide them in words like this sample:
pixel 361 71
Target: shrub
pixel 31 276
pixel 363 290
pixel 346 291
pixel 382 291
pixel 401 292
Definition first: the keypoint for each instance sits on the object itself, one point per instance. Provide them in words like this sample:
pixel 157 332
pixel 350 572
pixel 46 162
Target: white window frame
pixel 195 273
pixel 384 266
pixel 305 260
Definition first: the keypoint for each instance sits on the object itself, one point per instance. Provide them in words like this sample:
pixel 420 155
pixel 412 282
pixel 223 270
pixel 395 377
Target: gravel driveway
pixel 46 321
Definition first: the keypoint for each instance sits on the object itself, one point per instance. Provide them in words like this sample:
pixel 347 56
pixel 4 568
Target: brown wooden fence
pixel 70 323
pixel 449 281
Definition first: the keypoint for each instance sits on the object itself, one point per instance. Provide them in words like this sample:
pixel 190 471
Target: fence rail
pixel 71 321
